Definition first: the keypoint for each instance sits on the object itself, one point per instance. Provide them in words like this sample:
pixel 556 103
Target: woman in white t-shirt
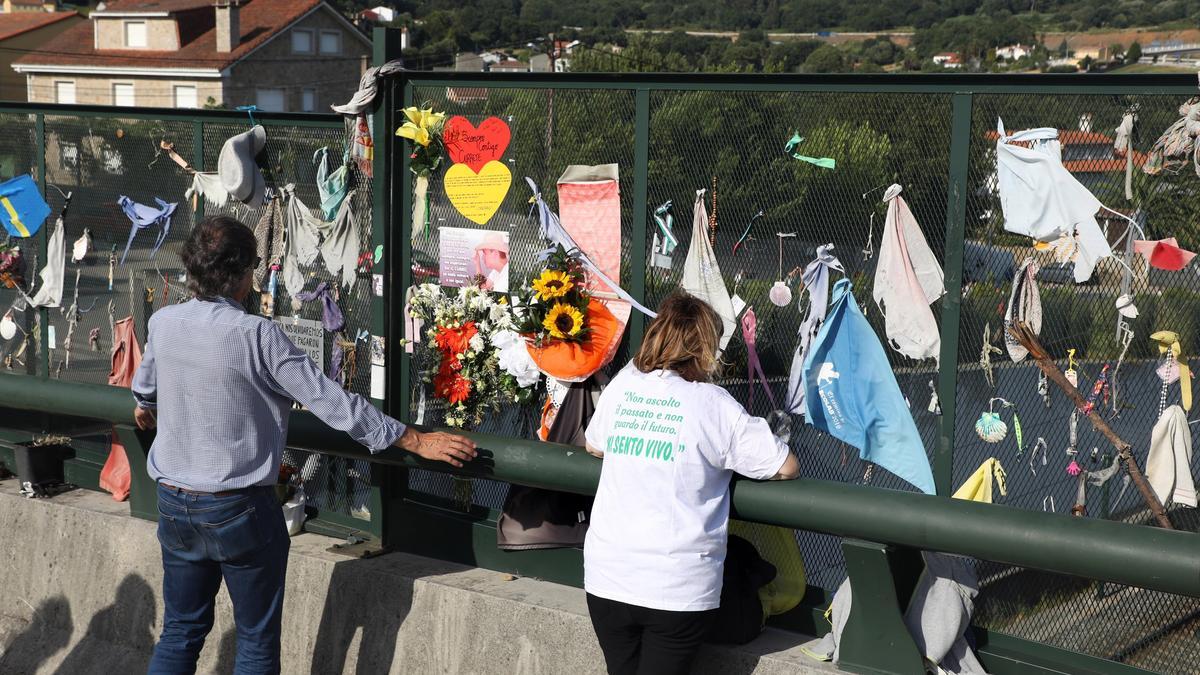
pixel 670 441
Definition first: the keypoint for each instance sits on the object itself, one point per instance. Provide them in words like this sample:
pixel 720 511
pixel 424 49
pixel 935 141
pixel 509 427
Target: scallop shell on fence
pixel 780 294
pixel 991 428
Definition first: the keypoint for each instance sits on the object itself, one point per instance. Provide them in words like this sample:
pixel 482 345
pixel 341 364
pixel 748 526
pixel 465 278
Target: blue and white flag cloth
pixel 22 207
pixel 852 393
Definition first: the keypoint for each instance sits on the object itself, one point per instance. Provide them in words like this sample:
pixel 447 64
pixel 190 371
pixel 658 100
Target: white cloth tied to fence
pixel 908 280
pixel 1041 199
pixel 49 294
pixel 702 275
pixel 816 282
pixel 1169 465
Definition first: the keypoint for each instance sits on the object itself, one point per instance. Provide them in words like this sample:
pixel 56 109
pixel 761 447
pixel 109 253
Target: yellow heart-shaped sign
pixel 477 195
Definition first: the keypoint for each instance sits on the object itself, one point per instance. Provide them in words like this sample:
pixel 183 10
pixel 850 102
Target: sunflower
pixel 563 321
pixel 552 284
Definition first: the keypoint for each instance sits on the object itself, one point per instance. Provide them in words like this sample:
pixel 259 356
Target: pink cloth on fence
pixel 589 207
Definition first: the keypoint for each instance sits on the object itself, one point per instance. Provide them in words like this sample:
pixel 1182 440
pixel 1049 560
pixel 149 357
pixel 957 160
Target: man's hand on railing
pixel 145 418
pixel 437 446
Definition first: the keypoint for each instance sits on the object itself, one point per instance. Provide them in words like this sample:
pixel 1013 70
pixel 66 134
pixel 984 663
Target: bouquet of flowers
pixel 570 333
pixel 470 338
pixel 424 129
pixel 557 303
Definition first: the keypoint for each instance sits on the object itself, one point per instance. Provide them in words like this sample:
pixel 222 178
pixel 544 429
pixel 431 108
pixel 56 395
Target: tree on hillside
pixel 1134 53
pixel 826 59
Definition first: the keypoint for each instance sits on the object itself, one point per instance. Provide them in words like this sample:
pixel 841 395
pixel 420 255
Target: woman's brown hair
pixel 684 338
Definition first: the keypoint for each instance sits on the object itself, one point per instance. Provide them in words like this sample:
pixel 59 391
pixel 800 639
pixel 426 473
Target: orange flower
pixel 455 340
pixel 459 390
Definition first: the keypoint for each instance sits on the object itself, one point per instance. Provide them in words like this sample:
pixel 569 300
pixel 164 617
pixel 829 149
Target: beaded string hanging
pixel 712 217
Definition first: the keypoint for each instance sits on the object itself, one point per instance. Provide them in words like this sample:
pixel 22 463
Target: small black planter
pixel 40 468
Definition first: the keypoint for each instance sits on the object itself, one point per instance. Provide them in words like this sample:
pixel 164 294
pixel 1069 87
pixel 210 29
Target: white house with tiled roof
pixel 281 55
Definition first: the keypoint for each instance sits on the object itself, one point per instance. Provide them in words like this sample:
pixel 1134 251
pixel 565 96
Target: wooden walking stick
pixel 1042 358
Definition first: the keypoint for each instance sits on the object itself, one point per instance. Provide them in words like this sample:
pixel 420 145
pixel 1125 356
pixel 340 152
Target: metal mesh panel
pixel 97 160
pixel 18 155
pixel 333 484
pixel 1150 629
pixel 551 129
pixel 738 139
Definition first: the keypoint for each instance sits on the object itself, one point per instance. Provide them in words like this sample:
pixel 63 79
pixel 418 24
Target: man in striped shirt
pixel 219 384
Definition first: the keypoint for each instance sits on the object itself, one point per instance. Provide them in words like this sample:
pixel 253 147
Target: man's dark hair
pixel 217 255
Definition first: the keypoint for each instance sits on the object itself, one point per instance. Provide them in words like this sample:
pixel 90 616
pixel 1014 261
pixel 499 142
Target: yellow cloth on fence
pixel 978 487
pixel 778 546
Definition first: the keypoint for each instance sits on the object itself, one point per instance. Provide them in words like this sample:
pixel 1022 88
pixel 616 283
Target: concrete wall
pixel 97 89
pixel 12 84
pixel 82 580
pixel 161 34
pixel 334 78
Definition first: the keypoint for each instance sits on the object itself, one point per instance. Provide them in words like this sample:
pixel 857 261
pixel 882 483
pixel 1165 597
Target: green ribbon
pixel 823 162
pixel 666 221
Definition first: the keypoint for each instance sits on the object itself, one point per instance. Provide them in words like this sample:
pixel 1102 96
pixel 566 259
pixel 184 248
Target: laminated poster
pixel 468 256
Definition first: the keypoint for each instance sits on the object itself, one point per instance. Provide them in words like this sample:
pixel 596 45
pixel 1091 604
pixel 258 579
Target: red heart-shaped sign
pixel 475 146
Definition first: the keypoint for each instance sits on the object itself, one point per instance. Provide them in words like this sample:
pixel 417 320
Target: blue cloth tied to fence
pixel 142 216
pixel 852 393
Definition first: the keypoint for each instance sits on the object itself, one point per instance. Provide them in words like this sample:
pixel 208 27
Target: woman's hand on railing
pixel 437 446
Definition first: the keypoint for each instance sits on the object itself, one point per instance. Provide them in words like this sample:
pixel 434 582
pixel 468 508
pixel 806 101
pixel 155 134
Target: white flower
pixel 481 303
pixel 514 358
pixel 476 343
pixel 498 313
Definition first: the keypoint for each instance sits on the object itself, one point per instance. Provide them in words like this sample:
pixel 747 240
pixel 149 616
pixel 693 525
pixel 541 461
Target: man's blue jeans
pixel 240 537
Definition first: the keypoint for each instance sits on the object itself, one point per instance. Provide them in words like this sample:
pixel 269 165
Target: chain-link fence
pixel 729 140
pixel 130 272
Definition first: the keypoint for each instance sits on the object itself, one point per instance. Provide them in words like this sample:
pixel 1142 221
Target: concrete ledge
pixel 81 587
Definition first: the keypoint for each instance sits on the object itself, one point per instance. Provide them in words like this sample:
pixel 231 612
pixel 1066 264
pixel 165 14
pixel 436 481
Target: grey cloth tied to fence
pixel 938 616
pixel 307 235
pixel 368 88
pixel 816 282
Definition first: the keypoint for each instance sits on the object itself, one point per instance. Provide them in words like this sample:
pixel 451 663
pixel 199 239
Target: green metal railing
pixel 881 530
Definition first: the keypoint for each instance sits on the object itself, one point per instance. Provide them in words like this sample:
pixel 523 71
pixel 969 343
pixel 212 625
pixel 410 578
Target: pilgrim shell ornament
pixel 781 294
pixel 8 327
pixel 991 428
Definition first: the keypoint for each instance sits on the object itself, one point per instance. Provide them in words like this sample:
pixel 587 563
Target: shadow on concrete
pixel 227 653
pixel 744 659
pixel 357 610
pixel 49 630
pixel 120 637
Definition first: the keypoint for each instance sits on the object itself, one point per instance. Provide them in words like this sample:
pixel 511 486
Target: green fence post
pixel 637 247
pixel 875 639
pixel 388 483
pixel 956 216
pixel 43 334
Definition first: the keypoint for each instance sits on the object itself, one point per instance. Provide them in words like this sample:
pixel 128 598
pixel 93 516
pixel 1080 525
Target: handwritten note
pixel 308 335
pixel 475 146
pixel 477 195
